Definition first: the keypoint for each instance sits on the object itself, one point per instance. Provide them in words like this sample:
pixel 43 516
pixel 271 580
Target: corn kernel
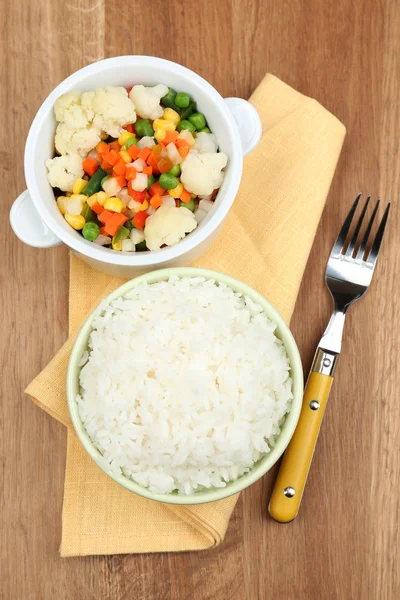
pixel 185 134
pixel 76 221
pixel 117 245
pixel 78 186
pixel 61 202
pixel 126 157
pixel 81 197
pixel 170 114
pixel 99 197
pixel 176 192
pixel 141 207
pixel 124 137
pixel 160 134
pixel 163 124
pixel 114 204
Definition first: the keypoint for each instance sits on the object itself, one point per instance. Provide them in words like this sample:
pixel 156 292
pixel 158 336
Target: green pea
pixel 186 125
pixel 121 234
pixel 128 225
pixel 143 128
pixel 104 180
pixel 141 246
pixel 188 205
pixel 150 180
pixel 129 142
pixel 168 181
pixel 175 171
pixel 182 99
pixel 87 212
pixel 169 100
pixel 205 130
pixel 90 231
pixel 185 112
pixel 198 120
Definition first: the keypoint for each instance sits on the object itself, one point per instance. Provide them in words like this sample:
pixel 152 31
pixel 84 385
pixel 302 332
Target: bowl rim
pixel 265 463
pixel 150 258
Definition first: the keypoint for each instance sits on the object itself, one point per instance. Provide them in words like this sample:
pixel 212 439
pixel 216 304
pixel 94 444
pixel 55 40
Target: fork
pixel 348 275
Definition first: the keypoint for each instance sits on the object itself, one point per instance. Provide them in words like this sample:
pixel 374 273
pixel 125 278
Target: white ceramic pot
pixel 35 217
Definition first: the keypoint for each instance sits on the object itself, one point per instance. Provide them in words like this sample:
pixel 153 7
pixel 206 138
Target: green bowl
pixel 265 463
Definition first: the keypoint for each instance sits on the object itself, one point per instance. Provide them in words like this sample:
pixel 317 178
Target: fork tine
pixel 341 238
pixel 364 241
pixel 353 242
pixel 373 255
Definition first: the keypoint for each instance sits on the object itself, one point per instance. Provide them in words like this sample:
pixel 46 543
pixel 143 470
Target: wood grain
pixel 345 542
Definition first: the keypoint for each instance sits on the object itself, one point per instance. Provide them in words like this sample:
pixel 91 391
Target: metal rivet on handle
pixel 289 492
pixel 314 405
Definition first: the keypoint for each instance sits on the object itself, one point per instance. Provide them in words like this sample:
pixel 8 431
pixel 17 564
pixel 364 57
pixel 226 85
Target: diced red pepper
pixel 139 219
pixel 138 196
pixel 129 89
pixel 105 216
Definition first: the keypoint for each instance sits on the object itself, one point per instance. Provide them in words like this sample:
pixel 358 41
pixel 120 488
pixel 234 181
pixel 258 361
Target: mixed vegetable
pixel 137 169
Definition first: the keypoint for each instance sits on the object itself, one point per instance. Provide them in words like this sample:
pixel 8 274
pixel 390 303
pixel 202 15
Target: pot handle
pixel 28 226
pixel 247 121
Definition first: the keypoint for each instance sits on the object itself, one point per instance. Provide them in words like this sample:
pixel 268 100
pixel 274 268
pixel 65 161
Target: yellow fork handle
pixel 292 476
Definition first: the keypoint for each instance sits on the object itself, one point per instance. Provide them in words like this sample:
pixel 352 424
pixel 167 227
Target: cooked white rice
pixel 185 386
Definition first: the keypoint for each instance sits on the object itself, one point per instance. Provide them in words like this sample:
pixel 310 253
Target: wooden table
pixel 345 542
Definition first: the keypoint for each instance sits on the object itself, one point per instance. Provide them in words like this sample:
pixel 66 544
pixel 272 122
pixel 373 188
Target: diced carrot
pixel 185 196
pixel 181 142
pixel 164 164
pixel 120 168
pixel 129 89
pixel 177 203
pixel 112 225
pixel 156 188
pixel 106 165
pixel 156 201
pixel 171 136
pixel 134 151
pixel 103 230
pixel 162 146
pixel 130 173
pixel 112 157
pixel 152 162
pixel 148 170
pixel 90 166
pixel 97 208
pixel 139 219
pixel 184 151
pixel 138 196
pixel 102 148
pixel 121 180
pixel 129 127
pixel 144 153
pixel 105 216
pixel 114 146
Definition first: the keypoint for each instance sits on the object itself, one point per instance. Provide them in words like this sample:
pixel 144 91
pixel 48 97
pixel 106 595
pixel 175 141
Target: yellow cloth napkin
pixel 265 242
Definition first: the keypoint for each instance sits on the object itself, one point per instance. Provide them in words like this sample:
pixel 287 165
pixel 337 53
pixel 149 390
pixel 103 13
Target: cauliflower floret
pixel 109 108
pixel 205 142
pixel 202 173
pixel 76 141
pixel 168 225
pixel 64 170
pixel 147 100
pixel 68 110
